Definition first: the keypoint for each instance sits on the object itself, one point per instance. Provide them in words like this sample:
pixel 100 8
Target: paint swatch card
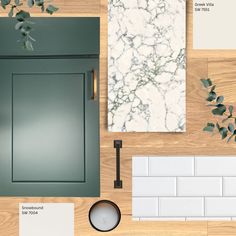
pixel 46 219
pixel 214 24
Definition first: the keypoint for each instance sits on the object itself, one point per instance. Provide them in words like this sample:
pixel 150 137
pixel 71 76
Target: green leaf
pixel 11 12
pixel 209 128
pixel 223 132
pixel 220 110
pixel 39 2
pixel 19 25
pixel 4 3
pixel 213 88
pixel 30 3
pixel 220 99
pixel 17 2
pixel 211 96
pixel 231 127
pixel 231 108
pixel 28 45
pixel 43 8
pixel 51 9
pixel 230 138
pixel 22 15
pixel 206 82
pixel 25 30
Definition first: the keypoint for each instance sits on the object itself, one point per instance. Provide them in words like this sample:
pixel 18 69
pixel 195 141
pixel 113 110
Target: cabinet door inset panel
pixel 48 127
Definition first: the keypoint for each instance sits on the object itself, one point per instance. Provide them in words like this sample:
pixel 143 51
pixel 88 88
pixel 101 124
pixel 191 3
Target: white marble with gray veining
pixel 146 65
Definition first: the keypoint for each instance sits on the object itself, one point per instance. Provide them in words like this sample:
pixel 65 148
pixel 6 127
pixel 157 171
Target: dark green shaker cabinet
pixel 49 113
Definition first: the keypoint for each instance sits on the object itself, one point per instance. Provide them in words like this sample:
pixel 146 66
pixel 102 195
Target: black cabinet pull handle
pixel 118 181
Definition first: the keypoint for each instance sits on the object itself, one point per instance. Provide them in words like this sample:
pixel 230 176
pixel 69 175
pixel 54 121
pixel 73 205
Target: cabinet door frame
pixel 91 186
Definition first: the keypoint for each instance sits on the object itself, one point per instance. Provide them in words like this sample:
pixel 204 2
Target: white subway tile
pixel 184 206
pixel 208 218
pixel 171 166
pixel 140 166
pixel 216 166
pixel 224 206
pixel 199 186
pixel 142 207
pixel 162 219
pixel 154 186
pixel 229 186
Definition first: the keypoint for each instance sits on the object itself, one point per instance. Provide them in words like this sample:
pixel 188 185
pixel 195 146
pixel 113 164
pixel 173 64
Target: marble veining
pixel 146 65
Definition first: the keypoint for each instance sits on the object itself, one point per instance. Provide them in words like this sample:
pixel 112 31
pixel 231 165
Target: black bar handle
pixel 118 181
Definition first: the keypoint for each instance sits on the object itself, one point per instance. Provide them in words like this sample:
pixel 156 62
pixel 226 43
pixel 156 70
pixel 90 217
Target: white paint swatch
pixel 213 24
pixel 46 219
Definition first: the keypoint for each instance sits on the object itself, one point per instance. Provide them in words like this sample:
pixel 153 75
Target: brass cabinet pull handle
pixel 94 85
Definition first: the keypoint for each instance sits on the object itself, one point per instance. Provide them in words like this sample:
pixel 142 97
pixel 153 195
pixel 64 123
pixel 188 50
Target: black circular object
pixel 104 216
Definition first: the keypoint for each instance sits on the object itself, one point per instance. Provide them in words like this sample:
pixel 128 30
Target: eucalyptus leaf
pixel 19 25
pixel 213 88
pixel 206 82
pixel 4 3
pixel 230 138
pixel 220 99
pixel 231 108
pixel 28 45
pixel 22 15
pixel 220 110
pixel 17 2
pixel 51 9
pixel 43 8
pixel 231 127
pixel 30 3
pixel 211 96
pixel 23 18
pixel 39 2
pixel 209 128
pixel 223 132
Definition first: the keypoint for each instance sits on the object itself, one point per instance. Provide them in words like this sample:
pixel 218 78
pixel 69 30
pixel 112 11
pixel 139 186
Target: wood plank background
pixel 219 65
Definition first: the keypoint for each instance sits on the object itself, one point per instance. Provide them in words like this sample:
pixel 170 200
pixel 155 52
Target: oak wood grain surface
pixel 219 65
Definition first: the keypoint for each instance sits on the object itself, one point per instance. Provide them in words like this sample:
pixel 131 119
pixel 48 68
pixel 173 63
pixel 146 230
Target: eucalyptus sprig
pixel 223 111
pixel 24 24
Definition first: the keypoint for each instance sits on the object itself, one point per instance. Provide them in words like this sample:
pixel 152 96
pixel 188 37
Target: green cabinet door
pixel 49 127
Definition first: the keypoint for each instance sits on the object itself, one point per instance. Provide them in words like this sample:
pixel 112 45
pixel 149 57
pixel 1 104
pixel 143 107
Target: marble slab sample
pixel 146 65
